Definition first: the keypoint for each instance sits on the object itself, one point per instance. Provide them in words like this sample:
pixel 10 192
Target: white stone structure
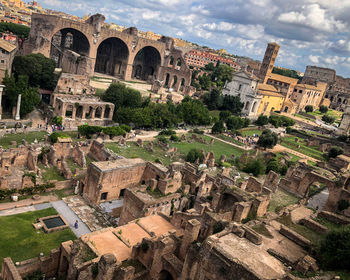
pixel 245 85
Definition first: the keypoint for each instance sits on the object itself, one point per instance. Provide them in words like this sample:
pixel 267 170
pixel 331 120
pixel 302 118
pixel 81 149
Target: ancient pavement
pixel 63 209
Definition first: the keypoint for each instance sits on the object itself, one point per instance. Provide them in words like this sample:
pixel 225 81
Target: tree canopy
pixel 286 72
pixel 20 30
pixel 38 68
pixel 267 139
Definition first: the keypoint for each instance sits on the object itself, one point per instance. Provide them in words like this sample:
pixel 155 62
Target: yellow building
pixel 271 99
pixel 222 51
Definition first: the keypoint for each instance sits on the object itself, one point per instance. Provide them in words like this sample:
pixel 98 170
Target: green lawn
pixel 219 148
pixel 336 114
pixel 229 139
pixel 289 142
pixel 20 241
pixel 51 173
pixel 293 158
pixel 250 131
pixel 5 141
pixel 281 199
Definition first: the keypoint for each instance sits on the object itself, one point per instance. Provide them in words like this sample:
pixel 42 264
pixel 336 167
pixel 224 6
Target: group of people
pixel 56 127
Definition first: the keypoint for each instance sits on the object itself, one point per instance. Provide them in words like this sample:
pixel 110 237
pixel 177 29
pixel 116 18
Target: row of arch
pixel 112 54
pixel 87 112
pixel 249 108
pixel 174 82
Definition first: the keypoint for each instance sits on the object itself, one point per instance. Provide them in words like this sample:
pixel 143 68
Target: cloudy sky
pixel 310 32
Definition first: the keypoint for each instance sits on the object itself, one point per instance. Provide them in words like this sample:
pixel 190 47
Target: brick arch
pixel 112 55
pixel 149 58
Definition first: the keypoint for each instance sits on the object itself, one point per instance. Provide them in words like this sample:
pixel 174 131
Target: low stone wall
pixel 295 237
pixel 252 235
pixel 313 225
pixel 48 265
pixel 9 270
pixel 334 218
pixel 59 185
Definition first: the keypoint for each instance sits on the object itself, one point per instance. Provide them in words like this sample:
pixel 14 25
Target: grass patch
pixel 20 241
pixel 133 151
pixel 312 151
pixel 5 141
pixel 313 236
pixel 281 199
pixel 328 224
pixel 262 230
pixel 72 165
pixel 250 131
pixel 229 139
pixel 51 173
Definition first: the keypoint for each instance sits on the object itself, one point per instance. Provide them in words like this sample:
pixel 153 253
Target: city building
pixel 7 54
pixel 198 59
pixel 245 85
pixel 304 95
pixel 272 100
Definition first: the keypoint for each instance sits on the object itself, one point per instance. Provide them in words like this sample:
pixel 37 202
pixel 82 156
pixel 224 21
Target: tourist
pixel 76 225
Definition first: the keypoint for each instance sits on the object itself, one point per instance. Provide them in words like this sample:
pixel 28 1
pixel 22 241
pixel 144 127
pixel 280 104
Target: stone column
pixel 18 108
pixel 74 112
pixel 103 113
pixel 93 113
pixel 1 90
pixel 111 113
pixel 83 114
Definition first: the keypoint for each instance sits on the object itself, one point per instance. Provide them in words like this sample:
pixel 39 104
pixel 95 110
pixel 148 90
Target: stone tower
pixel 268 61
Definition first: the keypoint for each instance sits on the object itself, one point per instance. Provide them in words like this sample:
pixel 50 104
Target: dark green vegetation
pixel 335 151
pixel 301 147
pixel 334 250
pixel 193 155
pixel 88 130
pixel 38 68
pixel 20 241
pixel 328 119
pixel 309 108
pixel 267 139
pixel 189 111
pixel 215 76
pixel 30 96
pixel 216 101
pixel 275 120
pixel 20 30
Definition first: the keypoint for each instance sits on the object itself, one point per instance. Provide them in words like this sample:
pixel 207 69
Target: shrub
pixel 167 132
pixel 175 138
pixel 335 151
pixel 255 166
pixel 55 135
pixel 283 170
pixel 114 131
pixel 272 165
pixel 328 119
pixel 144 246
pixel 193 155
pixel 163 139
pixel 125 127
pixel 217 227
pixel 323 109
pixel 198 131
pixel 334 250
pixel 218 128
pixel 309 109
pixel 226 164
pixel 276 121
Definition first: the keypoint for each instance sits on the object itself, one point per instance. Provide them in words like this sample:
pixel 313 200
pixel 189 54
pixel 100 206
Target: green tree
pixel 272 165
pixel 234 123
pixel 267 139
pixel 262 120
pixel 122 96
pixel 309 108
pixel 233 104
pixel 193 112
pixel 328 119
pixel 224 115
pixel 210 67
pixel 38 68
pixel 286 72
pixel 222 74
pixel 334 250
pixel 323 109
pixel 214 99
pixel 255 166
pixel 193 155
pixel 218 128
pixel 30 99
pixel 20 30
